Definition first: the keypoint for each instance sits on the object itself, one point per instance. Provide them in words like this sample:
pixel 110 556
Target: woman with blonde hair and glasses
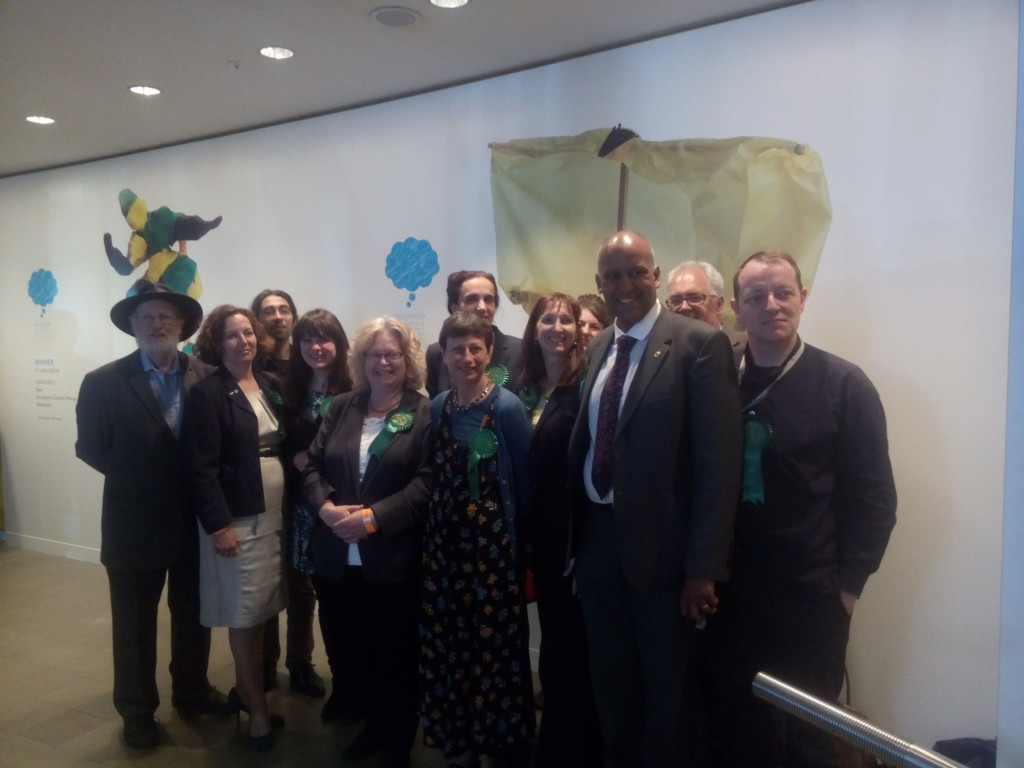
pixel 367 479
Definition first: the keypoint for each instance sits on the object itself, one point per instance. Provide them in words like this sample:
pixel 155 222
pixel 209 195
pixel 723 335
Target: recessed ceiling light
pixel 394 15
pixel 449 3
pixel 144 90
pixel 40 120
pixel 274 52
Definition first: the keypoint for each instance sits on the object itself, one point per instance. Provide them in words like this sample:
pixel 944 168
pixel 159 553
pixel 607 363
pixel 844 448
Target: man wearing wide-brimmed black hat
pixel 129 424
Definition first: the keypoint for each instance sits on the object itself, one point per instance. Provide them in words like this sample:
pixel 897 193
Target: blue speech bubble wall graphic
pixel 411 265
pixel 42 288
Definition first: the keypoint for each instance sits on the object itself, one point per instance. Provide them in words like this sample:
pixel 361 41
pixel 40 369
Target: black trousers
pixel 370 635
pixel 299 632
pixel 643 657
pixel 134 604
pixel 799 639
pixel 569 735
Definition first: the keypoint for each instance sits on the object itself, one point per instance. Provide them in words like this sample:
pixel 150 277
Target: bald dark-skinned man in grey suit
pixel 654 506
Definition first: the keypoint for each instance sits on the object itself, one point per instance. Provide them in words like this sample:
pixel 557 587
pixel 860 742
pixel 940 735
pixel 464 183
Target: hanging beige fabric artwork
pixel 716 200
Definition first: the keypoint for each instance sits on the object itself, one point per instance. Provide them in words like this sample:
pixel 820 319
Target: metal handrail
pixel 844 725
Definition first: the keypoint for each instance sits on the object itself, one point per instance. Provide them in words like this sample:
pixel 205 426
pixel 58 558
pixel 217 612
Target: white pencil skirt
pixel 246 590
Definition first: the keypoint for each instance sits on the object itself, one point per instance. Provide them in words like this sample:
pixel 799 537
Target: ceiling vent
pixel 394 16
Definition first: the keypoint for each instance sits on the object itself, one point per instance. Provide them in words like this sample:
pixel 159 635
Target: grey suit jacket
pixel 738 339
pixel 676 457
pixel 147 516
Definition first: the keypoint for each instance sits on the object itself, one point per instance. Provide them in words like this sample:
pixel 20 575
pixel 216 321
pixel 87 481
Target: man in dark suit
pixel 696 289
pixel 129 422
pixel 276 312
pixel 476 292
pixel 655 458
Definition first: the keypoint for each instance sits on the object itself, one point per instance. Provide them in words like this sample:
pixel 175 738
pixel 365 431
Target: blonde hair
pixel 408 342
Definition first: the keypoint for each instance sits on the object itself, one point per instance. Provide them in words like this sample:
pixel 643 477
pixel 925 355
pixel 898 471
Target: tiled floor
pixel 56 683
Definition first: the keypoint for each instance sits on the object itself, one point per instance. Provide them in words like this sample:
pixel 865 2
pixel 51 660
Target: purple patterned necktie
pixel 608 417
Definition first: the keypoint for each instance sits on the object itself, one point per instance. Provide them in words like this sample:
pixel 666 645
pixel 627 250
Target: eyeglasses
pixel 693 299
pixel 283 310
pixel 164 318
pixel 391 357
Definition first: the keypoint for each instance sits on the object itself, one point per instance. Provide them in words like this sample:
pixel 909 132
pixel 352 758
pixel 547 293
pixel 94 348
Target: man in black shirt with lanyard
pixel 818 503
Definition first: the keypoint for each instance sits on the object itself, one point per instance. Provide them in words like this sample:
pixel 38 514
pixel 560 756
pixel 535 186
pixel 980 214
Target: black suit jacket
pixel 147 516
pixel 396 485
pixel 507 352
pixel 676 457
pixel 223 444
pixel 549 521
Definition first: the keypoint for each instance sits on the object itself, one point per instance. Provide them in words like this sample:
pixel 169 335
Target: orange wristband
pixel 371 527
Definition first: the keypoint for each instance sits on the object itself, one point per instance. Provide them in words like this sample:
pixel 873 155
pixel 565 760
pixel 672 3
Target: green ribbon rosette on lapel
pixel 529 395
pixel 757 433
pixel 319 403
pixel 482 445
pixel 397 421
pixel 275 398
pixel 498 374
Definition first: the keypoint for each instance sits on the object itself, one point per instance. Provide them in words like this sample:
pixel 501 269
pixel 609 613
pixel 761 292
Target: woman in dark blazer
pixel 550 388
pixel 234 448
pixel 316 373
pixel 367 479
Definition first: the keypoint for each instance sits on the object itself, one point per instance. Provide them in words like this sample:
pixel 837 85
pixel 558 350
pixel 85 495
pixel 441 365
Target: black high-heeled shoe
pixel 276 720
pixel 262 743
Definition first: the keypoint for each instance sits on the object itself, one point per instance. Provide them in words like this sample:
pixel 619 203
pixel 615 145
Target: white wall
pixel 1011 646
pixel 911 105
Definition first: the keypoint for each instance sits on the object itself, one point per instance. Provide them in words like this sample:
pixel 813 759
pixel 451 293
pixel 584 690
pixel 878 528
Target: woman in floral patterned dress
pixel 474 658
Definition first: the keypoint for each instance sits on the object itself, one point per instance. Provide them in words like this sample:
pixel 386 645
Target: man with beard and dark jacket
pixel 129 423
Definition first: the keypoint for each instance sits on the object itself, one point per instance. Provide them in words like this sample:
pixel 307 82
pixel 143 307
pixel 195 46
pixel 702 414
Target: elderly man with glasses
pixel 130 415
pixel 696 289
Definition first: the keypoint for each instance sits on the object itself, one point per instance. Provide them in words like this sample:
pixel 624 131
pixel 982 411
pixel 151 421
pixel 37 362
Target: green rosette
pixel 278 402
pixel 482 445
pixel 320 403
pixel 323 407
pixel 757 433
pixel 498 374
pixel 529 396
pixel 397 421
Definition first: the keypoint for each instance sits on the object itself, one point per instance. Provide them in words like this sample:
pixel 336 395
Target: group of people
pixel 689 504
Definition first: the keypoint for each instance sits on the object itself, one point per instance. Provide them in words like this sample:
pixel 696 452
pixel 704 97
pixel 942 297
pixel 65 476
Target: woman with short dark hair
pixel 474 660
pixel 594 317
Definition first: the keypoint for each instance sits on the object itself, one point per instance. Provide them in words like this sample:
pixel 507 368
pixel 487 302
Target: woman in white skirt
pixel 234 443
